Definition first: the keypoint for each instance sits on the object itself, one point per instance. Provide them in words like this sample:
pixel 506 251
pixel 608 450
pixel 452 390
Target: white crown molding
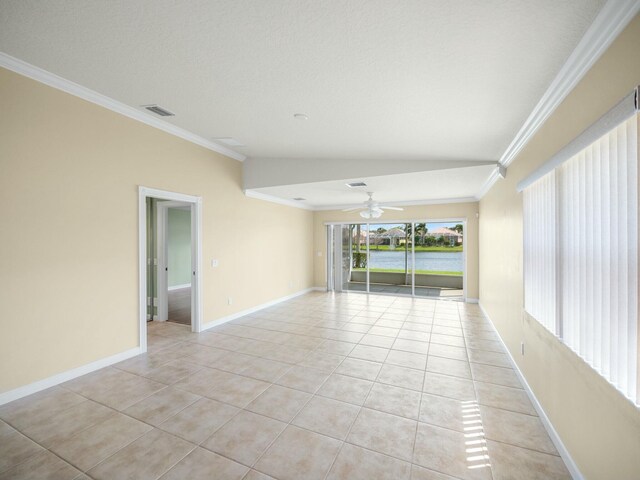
pixel 273 199
pixel 489 182
pixel 614 16
pixel 52 80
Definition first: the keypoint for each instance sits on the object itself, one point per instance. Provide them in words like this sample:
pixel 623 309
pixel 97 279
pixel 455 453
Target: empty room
pixel 323 240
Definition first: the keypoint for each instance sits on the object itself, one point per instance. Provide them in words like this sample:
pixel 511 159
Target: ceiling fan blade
pixel 389 208
pixel 352 209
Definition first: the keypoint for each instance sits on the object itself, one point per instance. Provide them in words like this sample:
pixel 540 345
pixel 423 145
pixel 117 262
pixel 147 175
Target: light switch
pixel 319 254
pixel 214 263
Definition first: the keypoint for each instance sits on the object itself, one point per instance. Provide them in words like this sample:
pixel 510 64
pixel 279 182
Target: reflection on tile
pixel 445 451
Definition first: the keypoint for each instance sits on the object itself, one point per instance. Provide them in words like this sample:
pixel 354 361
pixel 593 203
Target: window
pixel 581 250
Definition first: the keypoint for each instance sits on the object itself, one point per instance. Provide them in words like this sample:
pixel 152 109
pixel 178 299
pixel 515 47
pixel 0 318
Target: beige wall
pixel 69 176
pixel 466 211
pixel 599 427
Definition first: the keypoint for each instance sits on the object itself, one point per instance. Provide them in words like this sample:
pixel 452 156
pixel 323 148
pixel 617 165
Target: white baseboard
pixel 555 438
pixel 179 287
pixel 472 300
pixel 233 316
pixel 59 378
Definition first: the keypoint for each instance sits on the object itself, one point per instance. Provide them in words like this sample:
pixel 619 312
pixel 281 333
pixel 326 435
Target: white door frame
pixel 196 257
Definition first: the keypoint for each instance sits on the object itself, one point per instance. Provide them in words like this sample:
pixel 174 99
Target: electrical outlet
pixel 521 348
pixel 230 300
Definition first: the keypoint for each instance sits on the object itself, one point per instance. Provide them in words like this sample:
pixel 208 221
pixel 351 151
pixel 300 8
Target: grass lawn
pixel 418 248
pixel 426 272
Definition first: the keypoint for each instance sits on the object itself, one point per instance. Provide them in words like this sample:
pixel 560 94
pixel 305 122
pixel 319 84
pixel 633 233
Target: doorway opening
pixel 170 249
pixel 423 258
pixel 173 254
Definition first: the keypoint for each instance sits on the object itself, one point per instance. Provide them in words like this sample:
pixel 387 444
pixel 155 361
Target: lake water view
pixel 440 261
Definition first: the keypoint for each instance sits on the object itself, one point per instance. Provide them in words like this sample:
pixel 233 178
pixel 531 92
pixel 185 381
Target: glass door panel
pixel 439 260
pixel 390 258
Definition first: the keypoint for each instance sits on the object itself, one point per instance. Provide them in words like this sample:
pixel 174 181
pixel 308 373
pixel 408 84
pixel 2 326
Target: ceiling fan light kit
pixel 371 213
pixel 372 209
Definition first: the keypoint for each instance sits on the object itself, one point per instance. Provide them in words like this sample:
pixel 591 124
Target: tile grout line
pixel 359 408
pixel 323 340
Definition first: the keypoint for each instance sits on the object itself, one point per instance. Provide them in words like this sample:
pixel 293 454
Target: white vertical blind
pixel 581 254
pixel 540 251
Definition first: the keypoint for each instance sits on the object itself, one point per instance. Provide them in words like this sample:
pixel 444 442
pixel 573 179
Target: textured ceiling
pixel 378 79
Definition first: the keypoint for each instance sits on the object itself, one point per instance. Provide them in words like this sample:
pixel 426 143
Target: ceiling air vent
pixel 356 184
pixel 158 110
pixel 300 199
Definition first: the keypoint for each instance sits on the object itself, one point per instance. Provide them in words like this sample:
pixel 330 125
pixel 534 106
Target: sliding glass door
pixel 423 259
pixel 391 258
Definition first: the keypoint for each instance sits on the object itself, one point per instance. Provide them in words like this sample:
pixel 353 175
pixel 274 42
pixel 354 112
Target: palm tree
pixel 421 229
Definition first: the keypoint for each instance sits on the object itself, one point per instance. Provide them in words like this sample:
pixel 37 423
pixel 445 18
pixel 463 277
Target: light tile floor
pixel 324 386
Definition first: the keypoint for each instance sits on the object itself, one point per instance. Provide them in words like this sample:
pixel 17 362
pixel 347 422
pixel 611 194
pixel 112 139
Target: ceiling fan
pixel 371 209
